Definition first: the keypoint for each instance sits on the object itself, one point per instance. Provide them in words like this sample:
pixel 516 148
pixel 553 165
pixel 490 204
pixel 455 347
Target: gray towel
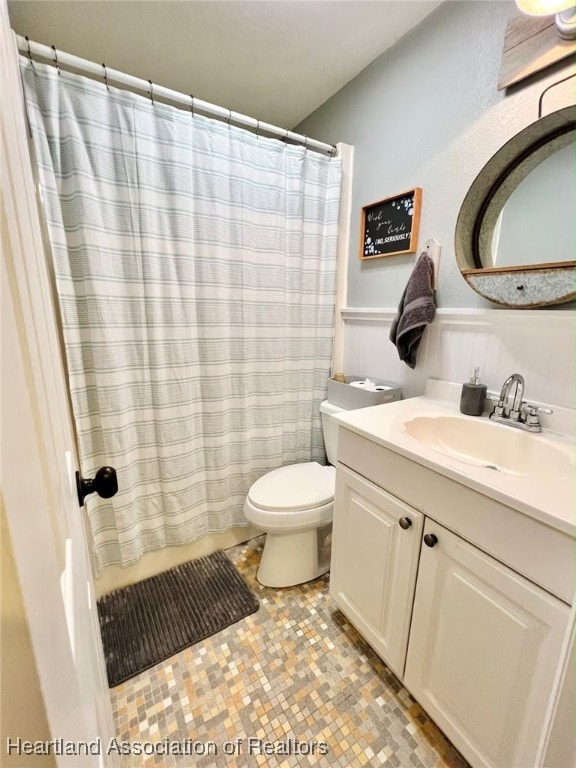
pixel 416 309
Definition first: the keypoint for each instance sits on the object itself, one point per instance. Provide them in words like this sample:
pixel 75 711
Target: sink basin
pixel 494 447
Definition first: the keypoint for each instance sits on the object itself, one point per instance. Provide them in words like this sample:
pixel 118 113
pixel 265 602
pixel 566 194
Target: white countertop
pixel 551 500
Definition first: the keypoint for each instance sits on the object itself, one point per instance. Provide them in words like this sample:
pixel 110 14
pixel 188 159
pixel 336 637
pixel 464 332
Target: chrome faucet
pixel 516 416
pixel 516 411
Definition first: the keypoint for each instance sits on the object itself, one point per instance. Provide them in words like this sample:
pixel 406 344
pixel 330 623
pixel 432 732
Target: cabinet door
pixel 484 646
pixel 374 563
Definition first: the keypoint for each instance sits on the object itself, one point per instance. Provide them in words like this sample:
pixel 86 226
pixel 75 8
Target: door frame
pixel 36 431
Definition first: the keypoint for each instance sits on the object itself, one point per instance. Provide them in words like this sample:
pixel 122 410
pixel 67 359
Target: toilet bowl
pixel 294 506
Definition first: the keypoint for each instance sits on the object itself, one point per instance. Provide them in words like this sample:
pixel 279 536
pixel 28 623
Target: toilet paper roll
pixel 369 385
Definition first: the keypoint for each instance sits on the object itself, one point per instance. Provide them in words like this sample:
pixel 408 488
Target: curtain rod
pixel 109 76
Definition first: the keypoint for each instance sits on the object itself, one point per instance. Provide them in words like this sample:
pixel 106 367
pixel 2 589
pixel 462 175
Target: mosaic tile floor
pixel 291 685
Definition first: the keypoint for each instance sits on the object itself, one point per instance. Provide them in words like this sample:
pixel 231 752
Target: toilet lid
pixel 299 486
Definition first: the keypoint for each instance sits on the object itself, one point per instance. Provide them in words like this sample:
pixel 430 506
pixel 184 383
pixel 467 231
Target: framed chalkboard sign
pixel 390 226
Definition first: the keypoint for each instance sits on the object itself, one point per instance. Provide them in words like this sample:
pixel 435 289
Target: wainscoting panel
pixel 538 344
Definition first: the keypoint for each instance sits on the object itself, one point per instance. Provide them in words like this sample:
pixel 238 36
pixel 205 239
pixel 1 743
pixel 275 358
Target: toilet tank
pixel 330 429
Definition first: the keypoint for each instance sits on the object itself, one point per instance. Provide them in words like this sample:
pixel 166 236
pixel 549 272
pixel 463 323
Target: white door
pixel 375 545
pixel 45 521
pixel 483 652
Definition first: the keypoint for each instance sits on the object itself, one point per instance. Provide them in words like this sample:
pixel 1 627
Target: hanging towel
pixel 416 309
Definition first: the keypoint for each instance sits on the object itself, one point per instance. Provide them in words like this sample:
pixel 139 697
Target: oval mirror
pixel 515 235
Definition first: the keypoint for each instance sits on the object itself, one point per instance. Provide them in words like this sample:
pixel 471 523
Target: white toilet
pixel 294 505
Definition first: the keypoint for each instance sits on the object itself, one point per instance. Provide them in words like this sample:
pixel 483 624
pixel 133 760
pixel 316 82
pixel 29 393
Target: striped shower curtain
pixel 195 271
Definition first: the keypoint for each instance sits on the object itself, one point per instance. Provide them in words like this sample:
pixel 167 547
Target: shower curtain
pixel 195 271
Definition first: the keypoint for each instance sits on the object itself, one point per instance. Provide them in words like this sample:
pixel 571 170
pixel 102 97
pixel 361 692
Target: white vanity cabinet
pixel 484 645
pixel 376 543
pixel 460 604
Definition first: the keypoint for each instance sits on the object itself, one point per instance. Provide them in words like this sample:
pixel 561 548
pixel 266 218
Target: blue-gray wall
pixel 427 113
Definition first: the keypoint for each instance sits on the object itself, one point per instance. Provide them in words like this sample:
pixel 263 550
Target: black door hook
pixel 105 484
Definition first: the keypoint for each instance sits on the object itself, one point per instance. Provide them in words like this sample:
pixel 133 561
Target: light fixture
pixel 564 10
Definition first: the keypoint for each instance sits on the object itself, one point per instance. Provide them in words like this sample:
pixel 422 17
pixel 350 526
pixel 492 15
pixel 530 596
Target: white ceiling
pixel 275 61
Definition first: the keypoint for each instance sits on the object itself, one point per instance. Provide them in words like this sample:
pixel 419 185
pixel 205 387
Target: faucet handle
pixel 532 419
pixel 534 409
pixel 498 409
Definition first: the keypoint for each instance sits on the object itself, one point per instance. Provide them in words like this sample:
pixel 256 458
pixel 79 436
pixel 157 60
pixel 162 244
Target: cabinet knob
pixel 405 523
pixel 430 539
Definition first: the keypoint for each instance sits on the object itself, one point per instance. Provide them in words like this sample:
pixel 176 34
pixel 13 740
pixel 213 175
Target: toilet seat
pixel 296 487
pixel 299 497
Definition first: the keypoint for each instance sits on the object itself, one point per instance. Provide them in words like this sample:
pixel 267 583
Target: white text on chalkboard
pixel 390 226
pixel 392 238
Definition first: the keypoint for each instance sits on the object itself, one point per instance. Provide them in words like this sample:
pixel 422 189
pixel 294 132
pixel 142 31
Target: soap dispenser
pixel 473 396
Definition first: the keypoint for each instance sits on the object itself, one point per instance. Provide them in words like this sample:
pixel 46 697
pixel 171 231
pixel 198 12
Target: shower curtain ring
pixel 151 93
pixel 56 58
pixel 192 104
pixel 29 51
pixel 257 129
pixel 229 117
pixel 305 143
pixel 105 77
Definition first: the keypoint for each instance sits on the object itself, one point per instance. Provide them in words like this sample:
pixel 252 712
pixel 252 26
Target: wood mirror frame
pixel 533 285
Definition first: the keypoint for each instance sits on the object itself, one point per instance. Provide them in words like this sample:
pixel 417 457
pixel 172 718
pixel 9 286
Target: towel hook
pixel 151 92
pixel 105 77
pixel 56 58
pixel 433 249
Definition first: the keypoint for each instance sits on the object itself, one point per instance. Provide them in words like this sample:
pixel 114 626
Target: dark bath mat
pixel 147 622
